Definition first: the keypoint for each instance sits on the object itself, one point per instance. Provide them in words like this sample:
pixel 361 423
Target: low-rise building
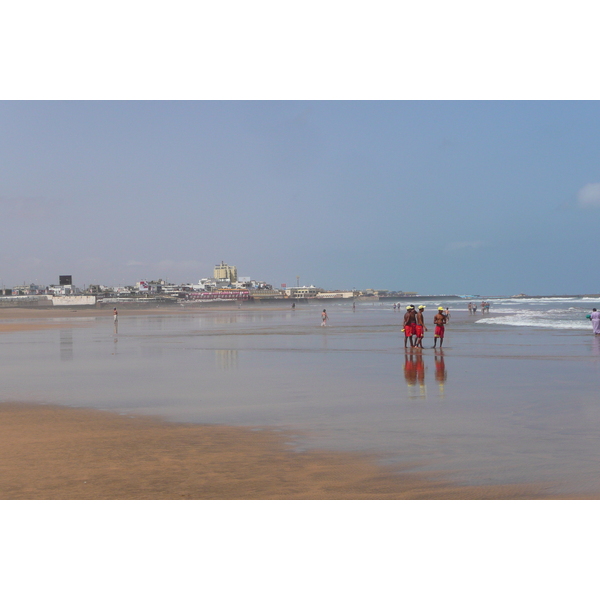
pixel 303 292
pixel 336 294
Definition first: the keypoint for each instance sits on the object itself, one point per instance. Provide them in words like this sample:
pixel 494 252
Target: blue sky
pixel 466 197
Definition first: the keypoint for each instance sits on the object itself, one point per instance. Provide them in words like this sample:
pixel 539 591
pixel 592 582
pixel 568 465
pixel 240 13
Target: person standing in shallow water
pixel 595 318
pixel 439 321
pixel 410 324
pixel 420 327
pixel 324 318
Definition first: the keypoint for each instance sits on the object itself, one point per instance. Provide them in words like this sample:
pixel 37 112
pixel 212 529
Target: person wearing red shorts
pixel 410 322
pixel 439 321
pixel 420 327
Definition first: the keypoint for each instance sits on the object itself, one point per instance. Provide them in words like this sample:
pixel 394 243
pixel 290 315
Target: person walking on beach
pixel 410 323
pixel 595 318
pixel 439 321
pixel 420 326
pixel 447 313
pixel 324 318
pixel 115 315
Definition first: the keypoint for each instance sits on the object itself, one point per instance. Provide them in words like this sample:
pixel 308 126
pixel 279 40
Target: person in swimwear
pixel 324 318
pixel 420 326
pixel 410 322
pixel 439 321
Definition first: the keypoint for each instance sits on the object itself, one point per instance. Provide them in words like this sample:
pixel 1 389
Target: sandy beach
pixel 54 453
pixel 175 446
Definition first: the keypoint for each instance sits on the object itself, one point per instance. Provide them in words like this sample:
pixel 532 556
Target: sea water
pixel 512 398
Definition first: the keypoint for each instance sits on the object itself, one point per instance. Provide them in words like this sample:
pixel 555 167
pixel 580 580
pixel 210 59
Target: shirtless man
pixel 410 322
pixel 420 327
pixel 439 321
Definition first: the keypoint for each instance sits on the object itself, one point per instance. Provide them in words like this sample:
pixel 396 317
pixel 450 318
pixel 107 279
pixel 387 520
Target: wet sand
pixel 30 319
pixel 49 452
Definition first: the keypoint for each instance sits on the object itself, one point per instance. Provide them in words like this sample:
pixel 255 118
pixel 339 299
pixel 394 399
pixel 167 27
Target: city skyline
pixel 442 197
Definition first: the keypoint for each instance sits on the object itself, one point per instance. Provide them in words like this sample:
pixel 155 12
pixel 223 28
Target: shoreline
pixel 14 319
pixel 61 453
pixel 47 450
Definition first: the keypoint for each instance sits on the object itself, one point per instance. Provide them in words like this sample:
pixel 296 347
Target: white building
pixel 304 291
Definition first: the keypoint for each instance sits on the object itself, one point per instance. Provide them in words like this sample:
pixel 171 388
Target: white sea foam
pixel 528 319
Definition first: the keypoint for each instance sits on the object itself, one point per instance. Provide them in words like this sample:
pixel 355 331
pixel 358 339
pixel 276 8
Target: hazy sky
pixel 451 197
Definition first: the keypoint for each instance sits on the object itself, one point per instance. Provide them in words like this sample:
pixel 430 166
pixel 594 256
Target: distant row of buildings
pixel 224 285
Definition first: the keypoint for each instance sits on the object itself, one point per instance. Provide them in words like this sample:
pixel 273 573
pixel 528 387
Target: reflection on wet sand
pixel 414 373
pixel 440 371
pixel 226 359
pixel 66 344
pixel 225 320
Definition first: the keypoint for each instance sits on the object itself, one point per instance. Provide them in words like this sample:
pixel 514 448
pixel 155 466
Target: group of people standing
pixel 485 307
pixel 414 326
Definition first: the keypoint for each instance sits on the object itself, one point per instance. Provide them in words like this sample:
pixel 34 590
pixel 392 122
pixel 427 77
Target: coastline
pixel 46 450
pixel 54 453
pixel 14 319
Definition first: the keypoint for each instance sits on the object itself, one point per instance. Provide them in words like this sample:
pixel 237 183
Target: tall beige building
pixel 224 271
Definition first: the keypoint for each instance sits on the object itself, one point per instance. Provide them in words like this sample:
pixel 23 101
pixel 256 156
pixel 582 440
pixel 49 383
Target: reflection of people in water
pixel 440 370
pixel 410 368
pixel 414 372
pixel 420 368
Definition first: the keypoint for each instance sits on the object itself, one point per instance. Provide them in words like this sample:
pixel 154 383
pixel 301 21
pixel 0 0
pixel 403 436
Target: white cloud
pixel 454 246
pixel 589 195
